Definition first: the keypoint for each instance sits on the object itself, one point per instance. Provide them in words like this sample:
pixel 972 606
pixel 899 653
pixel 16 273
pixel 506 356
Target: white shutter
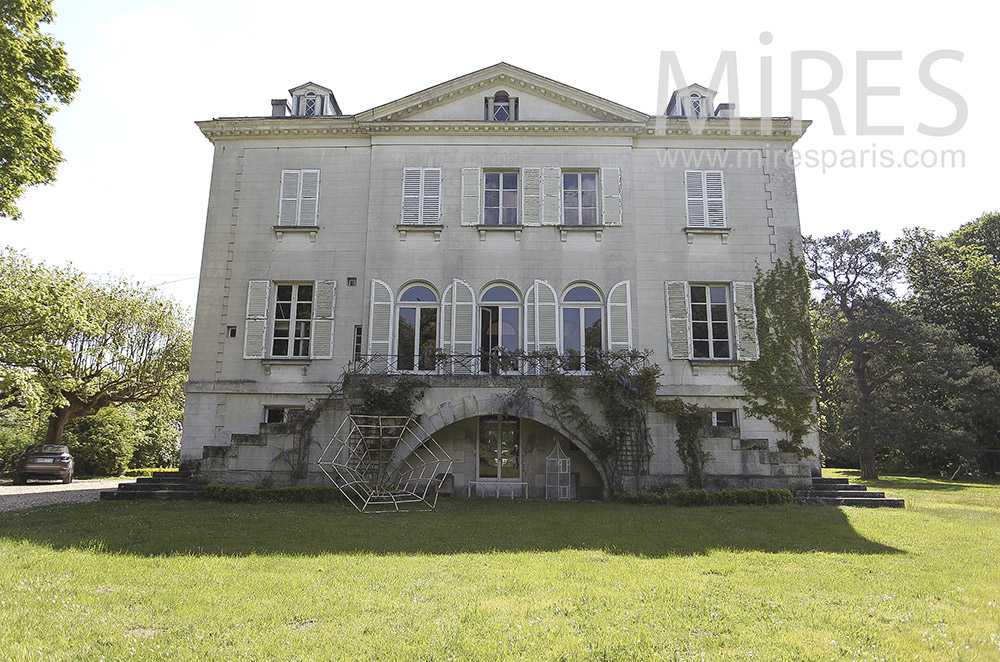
pixel 380 327
pixel 678 311
pixel 288 211
pixel 430 208
pixel 745 315
pixel 620 317
pixel 458 315
pixel 255 329
pixel 695 196
pixel 323 317
pixel 411 195
pixel 552 195
pixel 472 207
pixel 611 196
pixel 309 198
pixel 715 199
pixel 531 197
pixel 541 315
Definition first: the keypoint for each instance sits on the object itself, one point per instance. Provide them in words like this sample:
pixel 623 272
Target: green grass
pixel 495 580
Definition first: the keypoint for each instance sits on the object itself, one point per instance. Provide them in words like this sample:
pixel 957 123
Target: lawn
pixel 497 580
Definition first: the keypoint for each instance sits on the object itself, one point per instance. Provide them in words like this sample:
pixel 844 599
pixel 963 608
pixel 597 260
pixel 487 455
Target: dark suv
pixel 44 461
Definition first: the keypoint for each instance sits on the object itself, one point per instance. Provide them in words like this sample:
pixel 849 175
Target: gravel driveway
pixel 46 493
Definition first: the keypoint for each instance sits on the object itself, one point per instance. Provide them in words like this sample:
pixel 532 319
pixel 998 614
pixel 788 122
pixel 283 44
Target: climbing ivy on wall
pixel 623 385
pixel 781 385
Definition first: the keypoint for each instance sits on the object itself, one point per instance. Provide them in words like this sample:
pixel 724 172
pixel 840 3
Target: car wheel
pixel 67 479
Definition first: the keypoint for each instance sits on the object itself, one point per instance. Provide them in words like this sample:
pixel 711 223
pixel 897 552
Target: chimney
pixel 279 107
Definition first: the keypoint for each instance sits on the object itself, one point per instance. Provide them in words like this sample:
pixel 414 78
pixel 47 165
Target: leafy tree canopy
pixel 34 75
pixel 73 347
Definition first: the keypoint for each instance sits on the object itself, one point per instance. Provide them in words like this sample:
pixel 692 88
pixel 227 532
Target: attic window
pixel 310 105
pixel 696 105
pixel 500 107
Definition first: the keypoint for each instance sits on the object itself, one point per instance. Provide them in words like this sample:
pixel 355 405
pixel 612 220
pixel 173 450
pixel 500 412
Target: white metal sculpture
pixel 385 464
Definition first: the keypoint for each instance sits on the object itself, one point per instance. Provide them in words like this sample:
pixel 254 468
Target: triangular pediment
pixel 539 99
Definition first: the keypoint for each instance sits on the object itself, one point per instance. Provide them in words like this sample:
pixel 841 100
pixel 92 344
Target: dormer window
pixel 310 105
pixel 696 105
pixel 500 108
pixel 312 100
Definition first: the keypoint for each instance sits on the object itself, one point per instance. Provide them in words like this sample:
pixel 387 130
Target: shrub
pixel 743 496
pixel 146 472
pixel 102 445
pixel 238 494
pixel 17 432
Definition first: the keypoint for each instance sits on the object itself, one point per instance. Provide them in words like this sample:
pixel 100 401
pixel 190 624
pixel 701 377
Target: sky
pixel 131 197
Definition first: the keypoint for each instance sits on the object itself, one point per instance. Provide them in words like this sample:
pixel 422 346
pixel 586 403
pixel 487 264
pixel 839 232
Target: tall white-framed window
pixel 711 326
pixel 299 204
pixel 706 198
pixel 579 198
pixel 499 329
pixel 501 197
pixel 421 196
pixel 416 329
pixel 290 320
pixel 291 330
pixel 582 317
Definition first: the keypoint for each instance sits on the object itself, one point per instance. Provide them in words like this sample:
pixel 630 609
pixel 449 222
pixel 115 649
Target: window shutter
pixel 678 311
pixel 541 315
pixel 380 327
pixel 323 316
pixel 745 315
pixel 255 331
pixel 411 195
pixel 551 195
pixel 430 210
pixel 288 211
pixel 472 207
pixel 611 194
pixel 309 203
pixel 620 317
pixel 715 199
pixel 695 198
pixel 531 199
pixel 458 315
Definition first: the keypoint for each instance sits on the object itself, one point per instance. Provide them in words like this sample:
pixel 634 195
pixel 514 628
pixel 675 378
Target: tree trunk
pixel 57 423
pixel 868 469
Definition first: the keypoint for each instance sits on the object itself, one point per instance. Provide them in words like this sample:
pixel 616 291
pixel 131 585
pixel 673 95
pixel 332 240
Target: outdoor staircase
pixel 161 485
pixel 840 492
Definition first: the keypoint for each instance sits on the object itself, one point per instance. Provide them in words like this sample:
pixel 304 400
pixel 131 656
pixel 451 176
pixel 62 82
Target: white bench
pixel 501 486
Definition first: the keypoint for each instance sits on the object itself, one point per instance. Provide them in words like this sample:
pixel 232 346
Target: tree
pixel 74 347
pixel 851 272
pixel 34 74
pixel 781 384
pixel 896 385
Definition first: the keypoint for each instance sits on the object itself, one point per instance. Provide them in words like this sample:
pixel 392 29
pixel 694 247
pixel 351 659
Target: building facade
pixel 453 232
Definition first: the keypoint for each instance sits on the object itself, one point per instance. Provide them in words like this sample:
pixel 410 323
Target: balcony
pixel 495 364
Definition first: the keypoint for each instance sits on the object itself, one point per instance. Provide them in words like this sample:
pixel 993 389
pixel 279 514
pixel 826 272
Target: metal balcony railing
pixel 493 363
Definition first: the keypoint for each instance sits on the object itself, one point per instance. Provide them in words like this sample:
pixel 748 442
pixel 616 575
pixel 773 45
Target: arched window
pixel 499 329
pixel 416 330
pixel 501 107
pixel 582 328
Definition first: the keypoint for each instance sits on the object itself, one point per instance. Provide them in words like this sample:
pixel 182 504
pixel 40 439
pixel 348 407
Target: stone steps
pixel 841 492
pixel 161 485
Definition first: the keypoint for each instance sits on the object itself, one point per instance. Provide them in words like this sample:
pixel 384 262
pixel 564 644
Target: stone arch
pixel 436 416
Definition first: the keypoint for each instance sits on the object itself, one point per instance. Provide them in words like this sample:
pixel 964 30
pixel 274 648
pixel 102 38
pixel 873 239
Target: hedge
pixel 238 494
pixel 744 496
pixel 146 472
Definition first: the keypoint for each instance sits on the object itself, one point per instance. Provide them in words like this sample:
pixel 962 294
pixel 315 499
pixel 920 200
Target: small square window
pixel 724 418
pixel 352 281
pixel 230 331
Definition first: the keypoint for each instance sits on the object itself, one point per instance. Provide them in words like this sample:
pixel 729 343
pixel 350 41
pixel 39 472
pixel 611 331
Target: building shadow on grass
pixel 922 483
pixel 457 527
